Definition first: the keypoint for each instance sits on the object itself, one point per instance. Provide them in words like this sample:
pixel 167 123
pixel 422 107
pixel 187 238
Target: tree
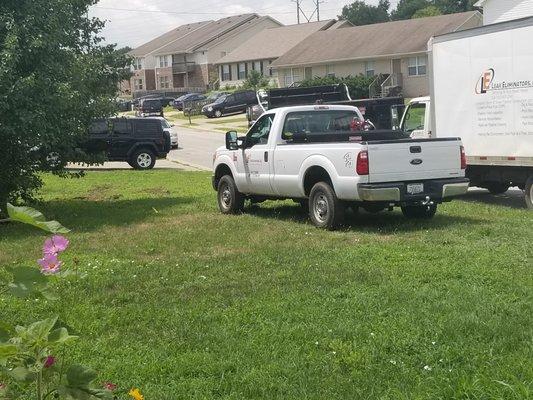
pixel 255 80
pixel 360 13
pixel 454 6
pixel 429 11
pixel 407 8
pixel 55 77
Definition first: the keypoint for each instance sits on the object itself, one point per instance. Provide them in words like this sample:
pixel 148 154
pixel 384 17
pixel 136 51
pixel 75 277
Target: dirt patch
pixel 101 192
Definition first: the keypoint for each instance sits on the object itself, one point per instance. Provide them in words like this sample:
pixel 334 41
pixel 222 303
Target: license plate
pixel 415 188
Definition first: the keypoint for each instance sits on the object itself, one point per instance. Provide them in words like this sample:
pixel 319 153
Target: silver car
pixel 167 127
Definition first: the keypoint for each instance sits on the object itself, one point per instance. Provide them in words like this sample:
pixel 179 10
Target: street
pixel 196 148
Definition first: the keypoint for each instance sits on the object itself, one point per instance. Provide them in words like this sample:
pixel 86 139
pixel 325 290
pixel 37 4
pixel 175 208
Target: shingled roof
pixel 273 42
pixel 371 41
pixel 187 38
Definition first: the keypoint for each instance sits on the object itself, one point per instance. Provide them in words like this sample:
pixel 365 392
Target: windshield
pixel 220 99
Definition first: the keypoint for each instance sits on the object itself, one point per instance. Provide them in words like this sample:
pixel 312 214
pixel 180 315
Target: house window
pixel 370 68
pixel 138 64
pixel 417 66
pixel 330 70
pixel 257 66
pixel 138 84
pixel 293 75
pixel 241 71
pixel 163 61
pixel 270 70
pixel 164 82
pixel 226 74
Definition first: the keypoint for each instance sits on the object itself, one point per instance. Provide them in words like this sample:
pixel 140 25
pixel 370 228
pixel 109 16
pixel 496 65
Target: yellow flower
pixel 136 394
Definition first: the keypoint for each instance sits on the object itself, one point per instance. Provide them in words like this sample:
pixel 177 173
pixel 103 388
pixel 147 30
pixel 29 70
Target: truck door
pixel 258 156
pixel 414 121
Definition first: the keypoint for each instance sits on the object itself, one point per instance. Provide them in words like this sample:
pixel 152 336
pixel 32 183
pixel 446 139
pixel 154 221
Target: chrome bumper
pixel 454 189
pixel 379 194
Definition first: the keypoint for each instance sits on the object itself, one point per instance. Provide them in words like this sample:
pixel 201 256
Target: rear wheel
pixel 143 159
pixel 529 192
pixel 325 209
pixel 420 211
pixel 230 200
pixel 497 187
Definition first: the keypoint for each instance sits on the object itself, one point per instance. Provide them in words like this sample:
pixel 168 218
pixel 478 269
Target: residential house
pixel 183 59
pixel 258 52
pixel 504 10
pixel 396 52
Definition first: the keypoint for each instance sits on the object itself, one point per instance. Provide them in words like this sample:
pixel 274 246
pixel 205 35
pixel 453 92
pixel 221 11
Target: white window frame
pixel 239 71
pixel 330 70
pixel 138 83
pixel 164 82
pixel 293 77
pixel 256 66
pixel 138 63
pixel 226 72
pixel 370 68
pixel 418 63
pixel 163 61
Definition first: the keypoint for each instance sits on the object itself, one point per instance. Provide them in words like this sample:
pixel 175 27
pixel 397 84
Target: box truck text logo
pixel 487 83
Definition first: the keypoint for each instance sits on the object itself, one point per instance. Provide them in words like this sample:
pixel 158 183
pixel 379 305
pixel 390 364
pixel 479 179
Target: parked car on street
pixel 182 100
pixel 320 157
pixel 138 141
pixel 167 127
pixel 232 103
pixel 150 107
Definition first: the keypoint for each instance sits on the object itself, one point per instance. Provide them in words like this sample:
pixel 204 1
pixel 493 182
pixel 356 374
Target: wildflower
pixel 427 368
pixel 136 394
pixel 49 264
pixel 110 386
pixel 3 386
pixel 49 361
pixel 56 244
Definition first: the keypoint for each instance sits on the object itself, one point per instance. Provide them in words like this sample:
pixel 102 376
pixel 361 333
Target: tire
pixel 497 187
pixel 142 159
pixel 419 211
pixel 528 189
pixel 325 209
pixel 230 200
pixel 218 113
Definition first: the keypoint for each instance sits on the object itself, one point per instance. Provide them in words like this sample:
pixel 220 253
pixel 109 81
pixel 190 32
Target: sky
pixel 134 22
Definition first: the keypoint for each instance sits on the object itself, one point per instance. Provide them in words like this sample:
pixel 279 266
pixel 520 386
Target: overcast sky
pixel 133 22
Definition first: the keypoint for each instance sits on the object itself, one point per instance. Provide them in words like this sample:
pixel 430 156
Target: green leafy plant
pixel 31 216
pixel 255 80
pixel 357 85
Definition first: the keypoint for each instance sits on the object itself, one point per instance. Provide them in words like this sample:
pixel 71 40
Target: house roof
pixel 343 23
pixel 480 3
pixel 273 42
pixel 371 41
pixel 207 33
pixel 166 38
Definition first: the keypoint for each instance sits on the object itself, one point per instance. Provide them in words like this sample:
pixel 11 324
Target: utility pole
pixel 298 9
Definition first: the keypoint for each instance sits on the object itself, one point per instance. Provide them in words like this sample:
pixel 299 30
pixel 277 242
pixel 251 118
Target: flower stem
pixel 39 385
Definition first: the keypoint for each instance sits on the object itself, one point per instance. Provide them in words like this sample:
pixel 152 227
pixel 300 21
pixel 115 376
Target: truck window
pixel 323 121
pixel 121 127
pixel 259 132
pixel 414 118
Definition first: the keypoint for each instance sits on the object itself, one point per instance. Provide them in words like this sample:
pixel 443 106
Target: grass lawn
pixel 186 303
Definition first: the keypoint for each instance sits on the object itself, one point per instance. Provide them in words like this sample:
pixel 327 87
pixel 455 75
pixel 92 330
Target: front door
pixel 121 138
pixel 258 156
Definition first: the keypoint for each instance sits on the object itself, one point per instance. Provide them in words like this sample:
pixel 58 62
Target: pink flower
pixel 56 244
pixel 49 361
pixel 110 386
pixel 2 386
pixel 49 264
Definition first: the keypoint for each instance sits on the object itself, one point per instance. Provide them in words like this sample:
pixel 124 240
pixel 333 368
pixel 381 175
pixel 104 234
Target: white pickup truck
pixel 320 157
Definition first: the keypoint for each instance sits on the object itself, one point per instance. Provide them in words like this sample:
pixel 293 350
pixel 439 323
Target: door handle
pixel 265 156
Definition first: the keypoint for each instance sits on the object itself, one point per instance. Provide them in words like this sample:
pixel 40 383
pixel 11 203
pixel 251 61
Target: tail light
pixel 362 163
pixel 463 158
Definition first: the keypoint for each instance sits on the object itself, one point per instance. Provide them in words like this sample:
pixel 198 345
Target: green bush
pixel 357 85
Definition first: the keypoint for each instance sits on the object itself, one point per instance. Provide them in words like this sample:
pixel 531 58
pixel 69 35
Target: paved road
pixel 196 148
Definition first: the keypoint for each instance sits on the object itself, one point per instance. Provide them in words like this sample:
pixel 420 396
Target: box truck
pixel 481 90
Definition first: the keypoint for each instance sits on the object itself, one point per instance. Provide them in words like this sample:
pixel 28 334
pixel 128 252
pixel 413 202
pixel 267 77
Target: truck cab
pixel 416 119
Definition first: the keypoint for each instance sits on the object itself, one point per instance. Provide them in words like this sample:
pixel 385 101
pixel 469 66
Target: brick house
pixel 183 59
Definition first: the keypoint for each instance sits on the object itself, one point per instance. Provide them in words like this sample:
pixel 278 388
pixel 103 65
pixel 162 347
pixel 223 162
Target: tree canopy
pixel 360 13
pixel 56 75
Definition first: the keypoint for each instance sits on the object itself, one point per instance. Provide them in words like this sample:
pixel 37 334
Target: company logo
pixel 416 161
pixel 486 83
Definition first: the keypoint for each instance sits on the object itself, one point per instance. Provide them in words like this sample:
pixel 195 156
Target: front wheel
pixel 528 189
pixel 419 211
pixel 230 200
pixel 143 159
pixel 325 209
pixel 218 113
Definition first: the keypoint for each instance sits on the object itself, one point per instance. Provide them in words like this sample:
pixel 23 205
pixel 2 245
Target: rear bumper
pixel 396 192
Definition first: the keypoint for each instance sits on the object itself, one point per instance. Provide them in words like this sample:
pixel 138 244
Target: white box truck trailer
pixel 481 89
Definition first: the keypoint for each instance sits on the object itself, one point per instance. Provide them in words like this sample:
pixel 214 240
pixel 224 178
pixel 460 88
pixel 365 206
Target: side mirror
pixel 369 126
pixel 231 140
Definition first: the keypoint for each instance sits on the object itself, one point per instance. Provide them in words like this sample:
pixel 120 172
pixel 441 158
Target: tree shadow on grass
pixel 382 223
pixel 82 215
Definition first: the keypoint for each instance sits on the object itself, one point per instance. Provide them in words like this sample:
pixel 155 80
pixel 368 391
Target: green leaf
pixel 31 216
pixel 27 275
pixel 80 376
pixel 6 331
pixel 60 335
pixel 39 331
pixel 84 393
pixel 22 374
pixel 7 350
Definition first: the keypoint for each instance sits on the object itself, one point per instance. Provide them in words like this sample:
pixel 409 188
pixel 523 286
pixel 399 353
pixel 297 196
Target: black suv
pixel 230 104
pixel 149 107
pixel 138 141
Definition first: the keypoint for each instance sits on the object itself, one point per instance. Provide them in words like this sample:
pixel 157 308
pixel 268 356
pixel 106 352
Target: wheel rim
pixel 321 207
pixel 218 113
pixel 144 160
pixel 225 196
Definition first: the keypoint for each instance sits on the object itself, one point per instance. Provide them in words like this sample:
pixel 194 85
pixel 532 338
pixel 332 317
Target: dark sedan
pixel 180 101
